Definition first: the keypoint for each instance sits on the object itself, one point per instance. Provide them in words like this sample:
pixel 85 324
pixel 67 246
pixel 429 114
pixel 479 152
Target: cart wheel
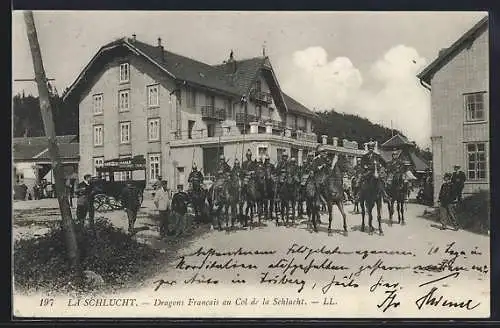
pixel 102 203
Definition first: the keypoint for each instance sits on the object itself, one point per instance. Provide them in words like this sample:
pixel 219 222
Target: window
pixel 474 106
pixel 154 129
pixel 124 73
pixel 153 95
pixel 127 175
pixel 190 129
pixel 98 104
pixel 98 162
pixel 476 161
pixel 228 108
pixel 154 166
pixel 98 135
pixel 191 98
pixel 211 130
pixel 123 100
pixel 124 132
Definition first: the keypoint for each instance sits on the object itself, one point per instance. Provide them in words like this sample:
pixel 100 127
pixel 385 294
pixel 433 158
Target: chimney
pixel 160 47
pixel 134 37
pixel 231 64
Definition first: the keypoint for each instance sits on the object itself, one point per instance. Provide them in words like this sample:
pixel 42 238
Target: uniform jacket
pixel 458 178
pixel 368 159
pixel 446 194
pixel 248 166
pixel 130 197
pixel 84 192
pixel 195 175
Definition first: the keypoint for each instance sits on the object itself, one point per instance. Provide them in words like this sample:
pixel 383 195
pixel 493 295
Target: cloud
pixel 328 84
pixel 398 97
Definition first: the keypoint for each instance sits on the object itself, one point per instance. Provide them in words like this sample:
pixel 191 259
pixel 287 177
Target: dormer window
pixel 124 73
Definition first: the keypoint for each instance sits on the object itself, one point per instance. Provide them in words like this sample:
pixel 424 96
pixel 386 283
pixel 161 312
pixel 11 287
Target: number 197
pixel 46 302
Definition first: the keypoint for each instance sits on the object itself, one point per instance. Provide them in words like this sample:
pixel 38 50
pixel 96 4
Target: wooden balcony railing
pixel 241 118
pixel 209 112
pixel 262 97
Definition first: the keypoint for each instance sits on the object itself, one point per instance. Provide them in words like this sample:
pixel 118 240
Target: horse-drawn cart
pixel 109 192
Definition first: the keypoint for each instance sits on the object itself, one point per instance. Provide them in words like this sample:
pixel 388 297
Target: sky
pixel 362 63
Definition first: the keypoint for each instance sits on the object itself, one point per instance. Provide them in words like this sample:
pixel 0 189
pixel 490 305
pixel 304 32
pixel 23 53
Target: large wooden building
pixel 139 99
pixel 458 80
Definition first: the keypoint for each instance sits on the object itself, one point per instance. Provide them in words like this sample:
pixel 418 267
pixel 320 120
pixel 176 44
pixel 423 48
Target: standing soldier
pixel 458 182
pixel 84 204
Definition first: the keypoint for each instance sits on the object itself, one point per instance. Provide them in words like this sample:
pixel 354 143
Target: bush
pixel 42 263
pixel 473 213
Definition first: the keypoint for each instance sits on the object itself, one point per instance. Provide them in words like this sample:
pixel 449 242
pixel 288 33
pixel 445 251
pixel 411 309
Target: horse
pixel 252 195
pixel 268 192
pixel 370 195
pixel 197 198
pixel 287 193
pixel 218 200
pixel 397 191
pixel 355 193
pixel 331 188
pixel 311 197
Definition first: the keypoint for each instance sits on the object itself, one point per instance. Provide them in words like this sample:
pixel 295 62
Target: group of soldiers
pixel 300 173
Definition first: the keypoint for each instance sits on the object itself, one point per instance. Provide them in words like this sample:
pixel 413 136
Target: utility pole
pixel 48 123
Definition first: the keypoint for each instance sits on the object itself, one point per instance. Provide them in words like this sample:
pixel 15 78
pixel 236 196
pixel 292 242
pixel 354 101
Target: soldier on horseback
pixel 223 166
pixel 195 178
pixel 293 170
pixel 321 161
pixel 281 167
pixel 236 168
pixel 369 162
pixel 248 166
pixel 306 169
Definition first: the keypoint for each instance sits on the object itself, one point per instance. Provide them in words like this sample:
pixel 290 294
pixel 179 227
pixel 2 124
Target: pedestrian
pixel 162 202
pixel 69 191
pixel 458 181
pixel 84 204
pixel 132 204
pixel 446 203
pixel 157 185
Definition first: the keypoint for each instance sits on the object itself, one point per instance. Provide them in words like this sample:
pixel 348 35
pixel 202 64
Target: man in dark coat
pixel 446 198
pixel 131 203
pixel 458 181
pixel 85 202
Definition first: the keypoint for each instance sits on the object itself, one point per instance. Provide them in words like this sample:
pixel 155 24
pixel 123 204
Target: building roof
pixel 294 106
pixel 43 140
pixel 36 149
pixel 419 164
pixel 396 141
pixel 183 69
pixel 447 54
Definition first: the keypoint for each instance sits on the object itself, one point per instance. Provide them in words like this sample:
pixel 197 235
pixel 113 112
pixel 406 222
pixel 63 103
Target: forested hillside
pixel 27 120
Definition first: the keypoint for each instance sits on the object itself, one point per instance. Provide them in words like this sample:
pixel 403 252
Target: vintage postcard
pixel 250 164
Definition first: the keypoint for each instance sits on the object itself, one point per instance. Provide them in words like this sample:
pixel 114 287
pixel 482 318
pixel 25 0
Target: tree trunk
pixel 46 111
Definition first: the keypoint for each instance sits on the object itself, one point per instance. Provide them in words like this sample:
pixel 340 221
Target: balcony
pixel 304 136
pixel 209 112
pixel 262 97
pixel 242 118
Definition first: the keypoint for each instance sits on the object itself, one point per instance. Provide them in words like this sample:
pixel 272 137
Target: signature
pixel 347 283
pixel 432 298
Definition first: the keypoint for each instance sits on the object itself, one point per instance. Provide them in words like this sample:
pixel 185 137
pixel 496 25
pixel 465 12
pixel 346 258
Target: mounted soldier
pixel 267 164
pixel 306 169
pixel 321 161
pixel 371 161
pixel 249 164
pixel 236 169
pixel 223 166
pixel 195 179
pixel 282 164
pixel 293 170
